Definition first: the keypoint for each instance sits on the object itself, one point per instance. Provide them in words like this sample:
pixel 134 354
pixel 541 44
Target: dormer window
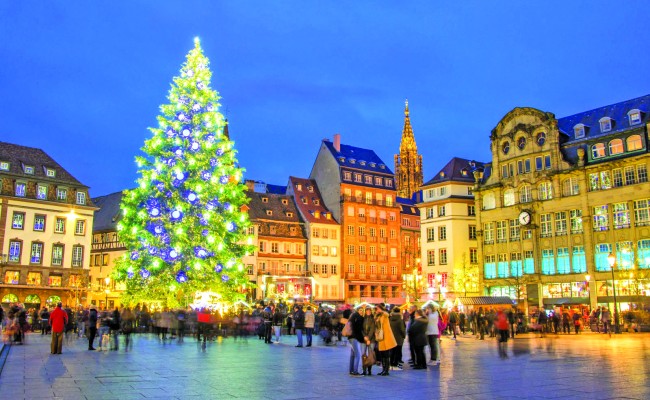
pixel 442 174
pixel 342 159
pixel 463 172
pixel 265 199
pixel 81 198
pixel 50 173
pixel 579 131
pixel 316 214
pixel 269 212
pixel 352 160
pixel 327 215
pixel 4 166
pixel 347 176
pixel 285 201
pixel 304 200
pixel 310 189
pixel 316 202
pixel 634 116
pixel 299 187
pixel 28 169
pixel 372 164
pixel 362 162
pixel 382 166
pixel 290 214
pixel 605 124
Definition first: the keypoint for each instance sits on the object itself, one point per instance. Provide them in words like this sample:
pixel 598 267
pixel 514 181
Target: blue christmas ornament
pixel 194 145
pixel 203 221
pixel 181 116
pixel 191 197
pixel 219 151
pixel 205 232
pixel 196 107
pixel 218 268
pixel 212 204
pixel 190 73
pixel 213 162
pixel 129 274
pixel 135 255
pixel 153 251
pixel 171 132
pixel 200 85
pixel 144 273
pixel 186 131
pixel 223 179
pixel 173 254
pixel 226 206
pixel 178 151
pixel 225 278
pixel 181 276
pixel 209 138
pixel 206 175
pixel 230 226
pixel 165 238
pixel 201 252
pixel 176 216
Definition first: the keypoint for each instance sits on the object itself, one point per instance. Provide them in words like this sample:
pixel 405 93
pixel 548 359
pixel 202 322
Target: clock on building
pixel 524 218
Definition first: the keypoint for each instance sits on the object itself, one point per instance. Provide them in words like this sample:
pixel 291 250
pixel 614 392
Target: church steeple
pixel 408 163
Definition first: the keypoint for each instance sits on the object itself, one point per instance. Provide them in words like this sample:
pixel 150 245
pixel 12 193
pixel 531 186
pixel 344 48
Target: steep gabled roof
pixel 310 203
pixel 281 207
pixel 407 206
pixel 109 213
pixel 457 170
pixel 18 156
pixel 358 158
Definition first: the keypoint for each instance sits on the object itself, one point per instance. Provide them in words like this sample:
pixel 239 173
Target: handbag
pixel 368 358
pixel 379 335
pixel 347 329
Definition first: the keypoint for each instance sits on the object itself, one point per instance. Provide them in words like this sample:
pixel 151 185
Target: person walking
pixel 278 317
pixel 453 322
pixel 384 337
pixel 606 317
pixel 502 326
pixel 45 317
pixel 433 332
pixel 355 339
pixel 58 320
pixel 310 319
pixel 92 326
pixel 398 327
pixel 299 323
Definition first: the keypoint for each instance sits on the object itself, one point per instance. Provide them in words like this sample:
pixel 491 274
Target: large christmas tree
pixel 183 226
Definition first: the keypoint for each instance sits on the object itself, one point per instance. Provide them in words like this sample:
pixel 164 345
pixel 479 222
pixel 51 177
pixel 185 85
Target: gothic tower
pixel 408 163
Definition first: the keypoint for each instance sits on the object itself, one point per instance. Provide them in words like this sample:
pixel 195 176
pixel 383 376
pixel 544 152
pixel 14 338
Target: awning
pixel 566 300
pixel 484 301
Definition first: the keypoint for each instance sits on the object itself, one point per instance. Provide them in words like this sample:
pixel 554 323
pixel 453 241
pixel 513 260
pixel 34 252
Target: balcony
pixel 373 257
pixel 373 238
pixel 383 240
pixel 361 218
pixel 363 238
pixel 372 220
pixel 110 245
pixel 546 234
pixel 383 258
pixel 362 257
pixel 383 221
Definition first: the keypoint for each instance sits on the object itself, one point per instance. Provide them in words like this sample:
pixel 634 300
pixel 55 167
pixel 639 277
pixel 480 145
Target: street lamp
pixel 611 258
pixel 439 281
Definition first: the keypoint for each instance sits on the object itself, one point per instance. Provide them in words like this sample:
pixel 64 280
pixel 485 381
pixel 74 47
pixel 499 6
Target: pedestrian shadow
pixel 52 369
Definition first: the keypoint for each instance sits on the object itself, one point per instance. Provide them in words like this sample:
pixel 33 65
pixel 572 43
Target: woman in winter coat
pixel 387 341
pixel 368 337
pixel 418 336
pixel 398 327
pixel 433 334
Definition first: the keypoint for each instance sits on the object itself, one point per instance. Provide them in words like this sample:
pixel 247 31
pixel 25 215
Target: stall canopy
pixel 484 301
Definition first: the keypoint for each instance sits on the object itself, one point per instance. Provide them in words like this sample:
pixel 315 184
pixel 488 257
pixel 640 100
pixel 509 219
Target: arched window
pixel 598 150
pixel 616 146
pixel 32 299
pixel 509 198
pixel 505 147
pixel 521 143
pixel 634 116
pixel 570 187
pixel 541 138
pixel 525 194
pixel 634 143
pixel 489 202
pixel 605 124
pixel 545 191
pixel 10 298
pixel 52 300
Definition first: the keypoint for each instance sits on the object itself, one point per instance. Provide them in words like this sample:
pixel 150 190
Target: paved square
pixel 587 366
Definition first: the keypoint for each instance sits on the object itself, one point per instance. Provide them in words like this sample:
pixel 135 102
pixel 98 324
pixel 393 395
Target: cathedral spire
pixel 408 163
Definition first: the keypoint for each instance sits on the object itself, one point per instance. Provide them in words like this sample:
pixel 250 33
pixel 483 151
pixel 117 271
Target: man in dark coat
pixel 92 326
pixel 398 327
pixel 356 322
pixel 299 323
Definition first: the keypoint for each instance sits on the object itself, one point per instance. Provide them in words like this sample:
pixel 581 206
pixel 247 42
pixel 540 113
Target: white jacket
pixel 309 319
pixel 432 327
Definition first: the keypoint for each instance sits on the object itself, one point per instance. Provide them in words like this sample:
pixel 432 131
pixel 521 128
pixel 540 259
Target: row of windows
pixel 324 269
pixel 372 269
pixel 323 233
pixel 360 213
pixel 540 139
pixel 563 261
pixel 368 179
pixel 317 250
pixel 615 146
pixel 371 250
pixel 41 193
pixel 36 253
pixel 18 222
pixel 371 231
pixel 36 278
pixel 620 215
pixel 275 268
pixel 287 248
pixel 618 177
pixel 606 123
pixel 524 166
pixel 360 197
pixel 28 169
pixel 505 230
pixel 430 212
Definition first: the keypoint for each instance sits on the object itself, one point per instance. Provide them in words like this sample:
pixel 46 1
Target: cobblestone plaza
pixel 587 366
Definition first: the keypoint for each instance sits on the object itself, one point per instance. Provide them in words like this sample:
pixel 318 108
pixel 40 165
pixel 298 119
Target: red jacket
pixel 58 320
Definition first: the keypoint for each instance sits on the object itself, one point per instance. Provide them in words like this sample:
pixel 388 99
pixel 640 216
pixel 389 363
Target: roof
pixel 310 202
pixel 457 170
pixel 19 156
pixel 617 112
pixel 109 213
pixel 484 300
pixel 407 206
pixel 358 158
pixel 281 207
pixel 276 189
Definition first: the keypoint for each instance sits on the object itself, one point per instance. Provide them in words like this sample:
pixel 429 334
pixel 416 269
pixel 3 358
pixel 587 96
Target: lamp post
pixel 611 258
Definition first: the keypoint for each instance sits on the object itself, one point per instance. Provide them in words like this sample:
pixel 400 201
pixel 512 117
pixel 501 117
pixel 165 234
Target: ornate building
pixel 45 230
pixel 559 199
pixel 408 163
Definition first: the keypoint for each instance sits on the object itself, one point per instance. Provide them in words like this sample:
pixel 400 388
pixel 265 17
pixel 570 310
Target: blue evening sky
pixel 84 79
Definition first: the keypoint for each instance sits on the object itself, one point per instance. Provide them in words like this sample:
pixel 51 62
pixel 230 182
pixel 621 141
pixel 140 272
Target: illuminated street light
pixel 611 258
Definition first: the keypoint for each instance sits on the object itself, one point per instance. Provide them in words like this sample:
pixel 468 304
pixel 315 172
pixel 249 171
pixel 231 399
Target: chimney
pixel 337 142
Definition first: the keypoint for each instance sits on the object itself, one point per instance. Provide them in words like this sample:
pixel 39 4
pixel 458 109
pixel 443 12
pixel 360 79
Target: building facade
pixel 408 163
pixel 449 231
pixel 280 268
pixel 559 197
pixel 46 218
pixel 359 190
pixel 410 247
pixel 324 240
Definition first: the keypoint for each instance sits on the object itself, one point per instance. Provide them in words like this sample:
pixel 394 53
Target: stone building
pixel 408 163
pixel 558 198
pixel 46 218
